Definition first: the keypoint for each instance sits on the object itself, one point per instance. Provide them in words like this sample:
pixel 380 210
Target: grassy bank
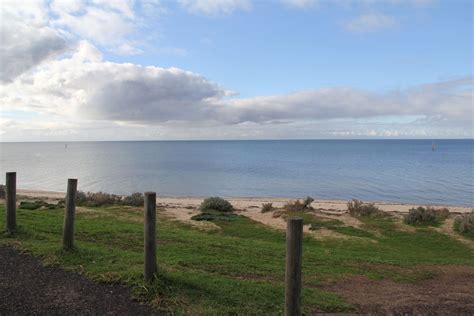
pixel 237 268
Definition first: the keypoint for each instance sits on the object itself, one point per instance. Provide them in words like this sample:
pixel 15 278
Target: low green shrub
pixel 136 199
pixel 425 216
pixel 360 209
pixel 465 224
pixel 267 207
pixel 96 199
pixel 299 206
pixel 216 204
pixel 2 191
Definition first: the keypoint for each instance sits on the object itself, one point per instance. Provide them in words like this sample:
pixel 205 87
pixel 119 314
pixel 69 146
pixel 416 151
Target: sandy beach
pixel 335 206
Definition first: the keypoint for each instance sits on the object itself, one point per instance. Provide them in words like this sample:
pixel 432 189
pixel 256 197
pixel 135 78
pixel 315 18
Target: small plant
pixel 267 207
pixel 216 204
pixel 136 199
pixel 465 224
pixel 2 191
pixel 307 202
pixel 215 209
pixel 299 206
pixel 425 216
pixel 361 209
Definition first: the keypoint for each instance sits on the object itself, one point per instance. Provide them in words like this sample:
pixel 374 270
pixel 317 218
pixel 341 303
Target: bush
pixel 425 216
pixel 216 204
pixel 92 199
pixel 2 191
pixel 299 206
pixel 96 199
pixel 267 207
pixel 465 223
pixel 359 208
pixel 136 199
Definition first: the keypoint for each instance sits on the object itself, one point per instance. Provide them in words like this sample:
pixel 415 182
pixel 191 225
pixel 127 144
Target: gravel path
pixel 27 287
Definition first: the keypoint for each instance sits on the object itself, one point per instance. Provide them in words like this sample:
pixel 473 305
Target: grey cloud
pixel 25 44
pixel 85 87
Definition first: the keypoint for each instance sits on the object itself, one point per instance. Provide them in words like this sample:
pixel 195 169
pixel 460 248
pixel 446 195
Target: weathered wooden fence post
pixel 150 236
pixel 69 215
pixel 294 250
pixel 10 197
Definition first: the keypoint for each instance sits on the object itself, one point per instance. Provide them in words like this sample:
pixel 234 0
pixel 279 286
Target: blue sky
pixel 254 69
pixel 277 49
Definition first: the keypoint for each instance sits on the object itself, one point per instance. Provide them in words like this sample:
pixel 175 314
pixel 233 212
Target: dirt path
pixel 450 292
pixel 27 287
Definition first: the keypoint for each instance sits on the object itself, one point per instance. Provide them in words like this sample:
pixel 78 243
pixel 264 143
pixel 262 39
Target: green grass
pixel 238 268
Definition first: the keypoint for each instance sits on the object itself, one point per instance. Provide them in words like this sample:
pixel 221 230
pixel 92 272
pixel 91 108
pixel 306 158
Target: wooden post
pixel 294 250
pixel 150 236
pixel 10 197
pixel 69 215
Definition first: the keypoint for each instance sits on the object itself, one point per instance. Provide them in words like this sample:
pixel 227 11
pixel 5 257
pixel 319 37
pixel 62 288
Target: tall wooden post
pixel 294 250
pixel 150 236
pixel 69 215
pixel 10 197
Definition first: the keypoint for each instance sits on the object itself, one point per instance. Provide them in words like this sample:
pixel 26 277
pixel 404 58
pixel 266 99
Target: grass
pixel 464 225
pixel 238 268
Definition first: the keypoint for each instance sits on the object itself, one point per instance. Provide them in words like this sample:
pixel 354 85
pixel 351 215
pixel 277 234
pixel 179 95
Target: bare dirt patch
pixel 450 291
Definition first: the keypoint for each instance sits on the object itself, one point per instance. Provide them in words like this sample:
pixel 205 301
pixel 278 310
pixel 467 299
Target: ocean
pixel 402 171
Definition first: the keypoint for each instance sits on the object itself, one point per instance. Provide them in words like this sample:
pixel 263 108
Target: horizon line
pixel 230 140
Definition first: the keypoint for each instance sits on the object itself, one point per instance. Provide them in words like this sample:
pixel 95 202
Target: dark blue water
pixel 376 170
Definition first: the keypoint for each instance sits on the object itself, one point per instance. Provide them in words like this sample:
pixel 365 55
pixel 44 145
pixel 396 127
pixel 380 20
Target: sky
pixel 236 69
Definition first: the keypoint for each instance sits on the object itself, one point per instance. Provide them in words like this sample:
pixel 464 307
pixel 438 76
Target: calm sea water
pixel 376 170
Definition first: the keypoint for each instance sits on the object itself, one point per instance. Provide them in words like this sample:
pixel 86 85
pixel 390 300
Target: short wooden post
pixel 294 250
pixel 150 236
pixel 10 197
pixel 69 215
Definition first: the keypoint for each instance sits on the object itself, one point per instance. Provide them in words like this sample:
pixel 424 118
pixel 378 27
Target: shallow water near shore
pixel 403 171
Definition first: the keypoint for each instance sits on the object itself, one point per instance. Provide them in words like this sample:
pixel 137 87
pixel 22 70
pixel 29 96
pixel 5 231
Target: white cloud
pixel 109 24
pixel 215 7
pixel 84 86
pixel 26 38
pixel 301 4
pixel 371 22
pixel 100 25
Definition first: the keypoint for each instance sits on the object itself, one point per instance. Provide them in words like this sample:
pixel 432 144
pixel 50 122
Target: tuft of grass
pixel 299 206
pixel 360 209
pixel 426 216
pixel 465 224
pixel 267 207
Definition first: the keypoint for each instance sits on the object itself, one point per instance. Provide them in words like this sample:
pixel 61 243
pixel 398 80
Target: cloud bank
pixel 57 83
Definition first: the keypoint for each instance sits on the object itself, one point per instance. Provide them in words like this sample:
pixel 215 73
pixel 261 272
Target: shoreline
pixel 254 202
